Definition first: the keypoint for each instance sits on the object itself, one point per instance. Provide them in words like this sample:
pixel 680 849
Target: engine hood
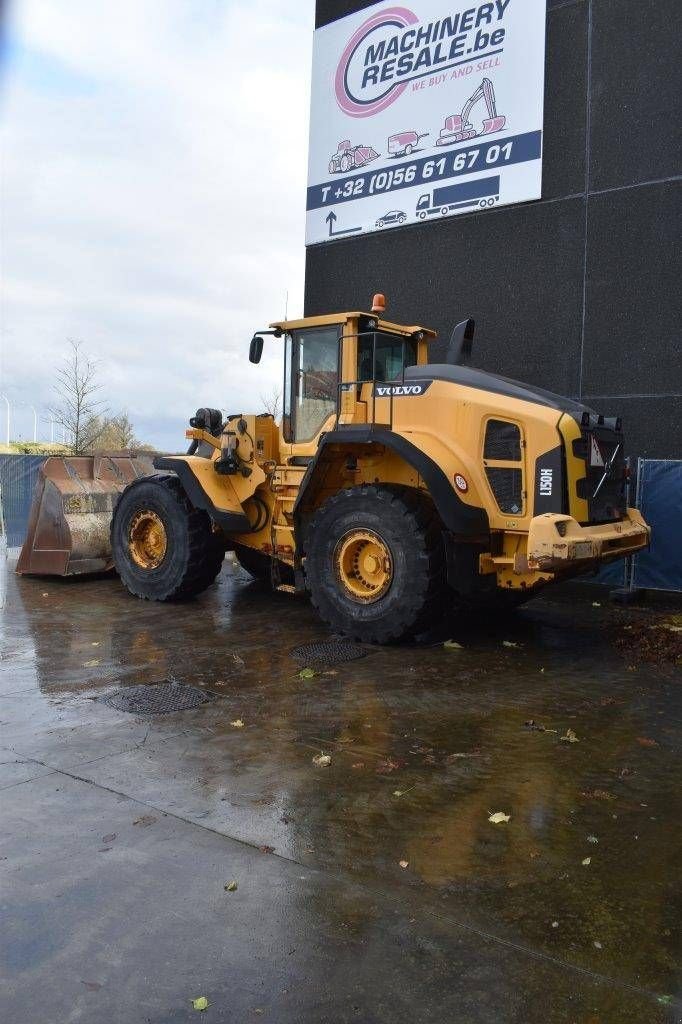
pixel 469 377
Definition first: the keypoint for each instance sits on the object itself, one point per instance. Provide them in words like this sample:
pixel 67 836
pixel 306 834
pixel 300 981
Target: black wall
pixel 580 291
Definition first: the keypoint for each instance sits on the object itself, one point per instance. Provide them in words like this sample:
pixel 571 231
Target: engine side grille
pixel 502 441
pixel 507 485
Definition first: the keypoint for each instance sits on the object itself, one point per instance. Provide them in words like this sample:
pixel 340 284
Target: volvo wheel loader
pixel 393 489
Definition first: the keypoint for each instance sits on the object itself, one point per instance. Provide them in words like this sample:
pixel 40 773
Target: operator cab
pixel 328 359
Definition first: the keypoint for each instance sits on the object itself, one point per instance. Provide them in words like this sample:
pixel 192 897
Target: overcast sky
pixel 153 197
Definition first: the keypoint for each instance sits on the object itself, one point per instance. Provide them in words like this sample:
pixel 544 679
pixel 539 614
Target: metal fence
pixel 659 497
pixel 18 474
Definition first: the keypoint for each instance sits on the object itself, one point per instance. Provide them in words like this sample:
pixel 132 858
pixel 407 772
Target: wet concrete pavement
pixel 119 833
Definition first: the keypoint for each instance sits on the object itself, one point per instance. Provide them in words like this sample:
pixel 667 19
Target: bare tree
pixel 271 403
pixel 77 408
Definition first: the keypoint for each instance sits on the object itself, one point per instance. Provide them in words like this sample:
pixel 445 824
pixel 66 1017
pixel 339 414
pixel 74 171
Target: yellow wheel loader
pixel 393 487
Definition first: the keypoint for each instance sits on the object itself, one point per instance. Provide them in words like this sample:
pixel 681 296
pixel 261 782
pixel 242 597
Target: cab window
pixel 389 356
pixel 311 381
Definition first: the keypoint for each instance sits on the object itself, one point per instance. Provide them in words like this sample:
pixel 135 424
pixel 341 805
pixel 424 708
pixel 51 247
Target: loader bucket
pixel 493 124
pixel 73 502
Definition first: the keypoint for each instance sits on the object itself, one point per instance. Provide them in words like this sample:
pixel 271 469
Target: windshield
pixel 390 349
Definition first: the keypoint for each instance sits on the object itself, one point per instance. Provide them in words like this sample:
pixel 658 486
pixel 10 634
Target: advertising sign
pixel 424 112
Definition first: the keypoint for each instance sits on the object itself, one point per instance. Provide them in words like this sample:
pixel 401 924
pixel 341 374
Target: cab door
pixel 311 387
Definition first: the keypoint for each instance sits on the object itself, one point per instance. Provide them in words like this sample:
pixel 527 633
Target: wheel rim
pixel 363 565
pixel 147 539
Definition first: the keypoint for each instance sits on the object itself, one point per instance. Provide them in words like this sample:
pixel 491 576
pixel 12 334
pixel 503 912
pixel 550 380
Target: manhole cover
pixel 331 652
pixel 156 699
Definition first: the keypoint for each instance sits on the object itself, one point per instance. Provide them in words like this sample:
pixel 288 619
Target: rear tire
pixel 190 555
pixel 405 525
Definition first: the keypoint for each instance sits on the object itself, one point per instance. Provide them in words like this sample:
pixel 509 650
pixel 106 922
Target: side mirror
pixel 256 349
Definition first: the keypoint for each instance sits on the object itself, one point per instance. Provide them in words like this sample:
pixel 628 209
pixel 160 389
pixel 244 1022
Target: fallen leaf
pixel 570 737
pixel 534 726
pixel 322 760
pixel 644 741
pixel 509 643
pixel 237 724
pixel 388 766
pixel 404 863
pixel 109 838
pixel 596 604
pixel 599 794
pixel 664 1000
pixel 91 664
pixel 398 792
pixel 455 757
pixel 146 819
pixel 237 660
pixel 452 645
pixel 499 817
pixel 231 886
pixel 266 849
pixel 597 945
pixel 200 1003
pixel 306 673
pixel 95 643
pixel 45 594
pixel 592 839
pixel 586 862
pixel 358 764
pixel 555 924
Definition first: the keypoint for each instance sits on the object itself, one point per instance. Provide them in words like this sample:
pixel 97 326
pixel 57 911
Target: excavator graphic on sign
pixel 458 127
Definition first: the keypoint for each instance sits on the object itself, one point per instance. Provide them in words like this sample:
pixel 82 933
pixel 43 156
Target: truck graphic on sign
pixel 482 193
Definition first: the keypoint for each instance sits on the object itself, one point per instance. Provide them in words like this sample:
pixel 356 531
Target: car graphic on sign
pixel 392 217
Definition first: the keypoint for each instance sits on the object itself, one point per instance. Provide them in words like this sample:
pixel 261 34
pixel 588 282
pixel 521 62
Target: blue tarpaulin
pixel 659 497
pixel 18 475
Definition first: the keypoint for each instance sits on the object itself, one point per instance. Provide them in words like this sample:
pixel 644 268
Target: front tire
pixel 375 563
pixel 163 548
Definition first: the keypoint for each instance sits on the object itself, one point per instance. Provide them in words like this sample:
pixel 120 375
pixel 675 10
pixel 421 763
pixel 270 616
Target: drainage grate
pixel 331 652
pixel 156 699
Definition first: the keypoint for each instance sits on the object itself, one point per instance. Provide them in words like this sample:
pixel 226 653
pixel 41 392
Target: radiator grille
pixel 502 441
pixel 507 485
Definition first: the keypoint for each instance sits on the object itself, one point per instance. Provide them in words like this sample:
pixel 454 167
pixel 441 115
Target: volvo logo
pixel 397 390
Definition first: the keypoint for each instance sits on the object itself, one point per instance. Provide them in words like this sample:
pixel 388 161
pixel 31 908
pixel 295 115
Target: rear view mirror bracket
pixel 256 344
